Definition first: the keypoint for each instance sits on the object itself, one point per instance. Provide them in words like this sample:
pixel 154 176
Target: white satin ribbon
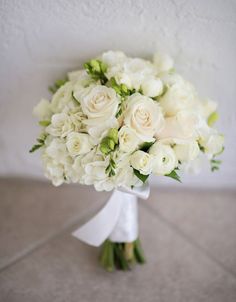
pixel 117 219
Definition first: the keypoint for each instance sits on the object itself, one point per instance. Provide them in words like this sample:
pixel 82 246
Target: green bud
pixel 113 134
pixel 103 67
pixel 104 148
pixel 124 88
pixel 111 144
pixel 212 118
pixel 95 65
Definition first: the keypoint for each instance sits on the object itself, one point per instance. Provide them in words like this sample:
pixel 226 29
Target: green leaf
pixel 35 147
pixel 58 83
pixel 74 98
pixel 146 146
pixel 173 175
pixel 44 123
pixel 213 118
pixel 142 177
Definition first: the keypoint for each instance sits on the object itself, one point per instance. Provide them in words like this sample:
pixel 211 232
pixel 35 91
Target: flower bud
pixel 113 134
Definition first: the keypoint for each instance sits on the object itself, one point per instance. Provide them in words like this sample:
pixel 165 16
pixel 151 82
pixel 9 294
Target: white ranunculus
pixel 152 87
pixel 187 152
pixel 183 126
pixel 62 97
pixel 213 144
pixel 163 62
pixel 179 96
pixel 43 110
pixel 142 161
pixel 78 143
pixel 128 139
pixel 61 125
pixel 143 115
pixel 99 103
pixel 164 158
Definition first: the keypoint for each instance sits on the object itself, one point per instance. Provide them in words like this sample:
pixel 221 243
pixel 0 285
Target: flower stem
pixel 116 255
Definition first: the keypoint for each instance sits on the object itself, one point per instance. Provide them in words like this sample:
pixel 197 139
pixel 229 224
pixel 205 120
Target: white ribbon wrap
pixel 118 219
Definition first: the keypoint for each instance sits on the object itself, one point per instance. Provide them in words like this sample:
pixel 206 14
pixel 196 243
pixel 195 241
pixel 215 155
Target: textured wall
pixel 41 39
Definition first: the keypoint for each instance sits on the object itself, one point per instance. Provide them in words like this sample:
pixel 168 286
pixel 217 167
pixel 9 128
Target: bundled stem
pixel 123 256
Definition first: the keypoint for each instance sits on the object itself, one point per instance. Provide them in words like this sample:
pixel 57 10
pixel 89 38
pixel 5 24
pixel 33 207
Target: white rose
pixel 183 126
pixel 128 139
pixel 142 162
pixel 78 143
pixel 61 125
pixel 213 144
pixel 164 159
pixel 62 97
pixel 143 115
pixel 152 87
pixel 99 103
pixel 180 96
pixel 43 110
pixel 187 152
pixel 163 62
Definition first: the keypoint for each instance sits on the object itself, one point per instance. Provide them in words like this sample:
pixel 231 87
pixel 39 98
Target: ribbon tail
pixel 98 229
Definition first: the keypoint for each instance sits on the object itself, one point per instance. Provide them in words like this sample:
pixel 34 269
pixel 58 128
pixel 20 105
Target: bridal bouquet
pixel 114 123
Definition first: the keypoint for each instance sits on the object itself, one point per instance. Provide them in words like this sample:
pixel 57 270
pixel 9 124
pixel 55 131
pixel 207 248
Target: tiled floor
pixel 189 238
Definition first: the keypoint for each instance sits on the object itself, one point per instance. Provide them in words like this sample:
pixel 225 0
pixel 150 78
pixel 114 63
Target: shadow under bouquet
pixel 112 124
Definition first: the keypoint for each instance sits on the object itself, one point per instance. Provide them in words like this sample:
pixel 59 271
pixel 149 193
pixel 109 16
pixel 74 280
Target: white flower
pixel 152 87
pixel 78 143
pixel 57 162
pixel 143 115
pixel 181 127
pixel 131 71
pixel 163 62
pixel 207 107
pixel 56 149
pixel 61 125
pixel 179 96
pixel 128 139
pixel 213 144
pixel 142 162
pixel 164 159
pixel 43 110
pixel 80 78
pixel 112 58
pixel 124 172
pixel 99 103
pixel 187 151
pixel 62 97
pixel 94 167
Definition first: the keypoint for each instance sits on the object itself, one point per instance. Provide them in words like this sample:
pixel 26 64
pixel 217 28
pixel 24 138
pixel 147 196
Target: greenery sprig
pixel 58 83
pixel 96 69
pixel 41 142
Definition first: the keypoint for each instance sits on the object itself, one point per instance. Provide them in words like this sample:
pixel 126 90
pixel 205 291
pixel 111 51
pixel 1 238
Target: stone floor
pixel 189 238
